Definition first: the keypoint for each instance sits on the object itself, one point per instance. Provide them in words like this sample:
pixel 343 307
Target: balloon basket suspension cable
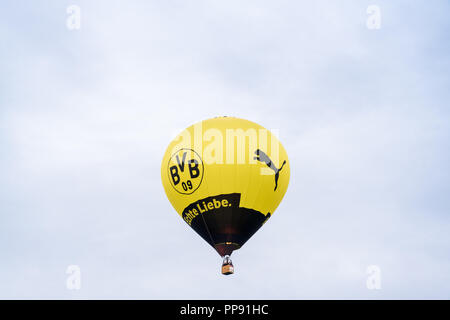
pixel 227 266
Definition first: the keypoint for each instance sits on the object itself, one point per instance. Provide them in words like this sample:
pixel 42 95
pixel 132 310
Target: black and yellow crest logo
pixel 185 171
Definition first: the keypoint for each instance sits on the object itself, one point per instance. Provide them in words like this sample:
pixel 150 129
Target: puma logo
pixel 261 156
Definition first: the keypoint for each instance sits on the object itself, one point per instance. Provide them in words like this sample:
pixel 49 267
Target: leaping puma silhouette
pixel 261 156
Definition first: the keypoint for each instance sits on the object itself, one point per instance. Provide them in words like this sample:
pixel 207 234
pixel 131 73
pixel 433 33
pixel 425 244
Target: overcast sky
pixel 86 114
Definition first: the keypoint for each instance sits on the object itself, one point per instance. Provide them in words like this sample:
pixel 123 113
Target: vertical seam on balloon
pixel 234 210
pixel 221 172
pixel 207 187
pixel 258 194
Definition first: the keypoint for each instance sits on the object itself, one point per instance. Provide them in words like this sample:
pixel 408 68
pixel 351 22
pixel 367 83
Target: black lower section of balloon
pixel 226 228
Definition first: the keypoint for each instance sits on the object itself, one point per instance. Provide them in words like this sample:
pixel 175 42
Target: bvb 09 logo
pixel 185 171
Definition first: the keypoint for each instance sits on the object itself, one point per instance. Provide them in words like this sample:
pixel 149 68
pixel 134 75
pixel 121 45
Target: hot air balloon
pixel 225 177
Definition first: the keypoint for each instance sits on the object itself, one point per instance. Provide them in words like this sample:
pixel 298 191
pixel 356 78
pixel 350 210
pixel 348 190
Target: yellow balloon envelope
pixel 225 177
